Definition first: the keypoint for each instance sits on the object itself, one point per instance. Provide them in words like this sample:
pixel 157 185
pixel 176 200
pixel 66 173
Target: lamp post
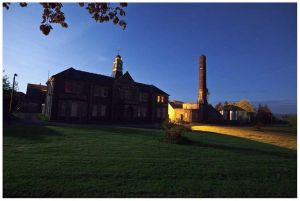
pixel 12 92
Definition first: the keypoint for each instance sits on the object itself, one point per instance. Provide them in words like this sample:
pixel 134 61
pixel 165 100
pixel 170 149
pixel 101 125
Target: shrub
pixel 259 126
pixel 173 132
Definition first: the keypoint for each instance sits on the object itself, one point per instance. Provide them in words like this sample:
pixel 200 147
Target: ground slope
pixel 56 161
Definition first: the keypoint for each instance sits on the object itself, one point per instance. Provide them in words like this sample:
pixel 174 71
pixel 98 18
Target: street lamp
pixel 12 92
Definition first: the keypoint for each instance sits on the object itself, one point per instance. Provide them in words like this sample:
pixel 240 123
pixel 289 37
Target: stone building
pixel 79 96
pixel 234 113
pixel 195 112
pixel 35 98
pixel 240 112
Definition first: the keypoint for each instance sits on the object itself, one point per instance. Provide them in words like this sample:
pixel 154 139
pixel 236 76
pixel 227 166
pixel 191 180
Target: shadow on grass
pixel 29 132
pixel 186 141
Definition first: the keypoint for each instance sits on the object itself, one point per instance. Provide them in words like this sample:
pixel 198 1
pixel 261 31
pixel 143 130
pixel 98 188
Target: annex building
pixel 79 96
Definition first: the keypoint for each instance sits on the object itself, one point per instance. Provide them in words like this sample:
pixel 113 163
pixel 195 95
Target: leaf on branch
pixel 64 25
pixel 123 24
pixel 6 5
pixel 123 4
pixel 122 12
pixel 116 20
pixel 45 28
pixel 101 12
pixel 23 4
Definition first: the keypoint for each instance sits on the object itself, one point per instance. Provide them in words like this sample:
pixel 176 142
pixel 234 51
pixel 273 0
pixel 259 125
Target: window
pixel 98 110
pixel 82 109
pixel 158 99
pixel 68 87
pixel 74 109
pixel 127 94
pixel 164 113
pixel 144 111
pixel 143 97
pixel 100 91
pixel 104 92
pixel 63 107
pixel 139 112
pixel 158 112
pixel 73 87
pixel 97 91
pixel 102 110
pixel 94 110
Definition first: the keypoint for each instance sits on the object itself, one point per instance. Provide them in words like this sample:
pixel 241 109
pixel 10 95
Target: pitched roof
pixel 159 91
pixel 126 76
pixel 83 75
pixel 232 107
pixel 149 88
pixel 103 79
pixel 175 104
pixel 36 87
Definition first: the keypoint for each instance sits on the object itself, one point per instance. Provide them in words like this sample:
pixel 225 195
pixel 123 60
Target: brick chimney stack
pixel 202 90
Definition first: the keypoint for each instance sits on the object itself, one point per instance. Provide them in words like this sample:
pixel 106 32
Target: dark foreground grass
pixel 50 161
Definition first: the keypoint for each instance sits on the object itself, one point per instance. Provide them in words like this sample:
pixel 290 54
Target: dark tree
pixel 5 83
pixel 101 12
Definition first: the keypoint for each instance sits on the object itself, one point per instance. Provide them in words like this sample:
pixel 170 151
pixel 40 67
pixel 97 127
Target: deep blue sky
pixel 251 49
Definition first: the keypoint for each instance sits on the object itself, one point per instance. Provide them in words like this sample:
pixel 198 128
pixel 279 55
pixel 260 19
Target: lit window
pixel 158 99
pixel 162 99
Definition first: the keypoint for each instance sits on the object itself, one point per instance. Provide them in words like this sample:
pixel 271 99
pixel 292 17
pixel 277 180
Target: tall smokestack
pixel 202 91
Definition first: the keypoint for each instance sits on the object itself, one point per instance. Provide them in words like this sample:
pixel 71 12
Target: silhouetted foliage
pixel 101 12
pixel 5 83
pixel 246 105
pixel 264 115
pixel 219 106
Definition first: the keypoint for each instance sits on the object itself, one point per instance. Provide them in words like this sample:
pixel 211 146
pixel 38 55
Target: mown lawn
pixel 52 161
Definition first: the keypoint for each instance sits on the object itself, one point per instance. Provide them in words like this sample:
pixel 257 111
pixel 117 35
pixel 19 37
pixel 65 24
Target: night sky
pixel 251 48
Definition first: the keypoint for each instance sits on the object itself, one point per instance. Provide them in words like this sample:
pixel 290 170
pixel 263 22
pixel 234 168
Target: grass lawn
pixel 53 161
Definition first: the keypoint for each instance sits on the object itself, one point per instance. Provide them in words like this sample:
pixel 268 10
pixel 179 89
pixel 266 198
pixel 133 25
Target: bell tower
pixel 117 69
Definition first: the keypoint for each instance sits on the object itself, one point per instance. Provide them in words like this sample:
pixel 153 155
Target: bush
pixel 292 120
pixel 173 132
pixel 259 126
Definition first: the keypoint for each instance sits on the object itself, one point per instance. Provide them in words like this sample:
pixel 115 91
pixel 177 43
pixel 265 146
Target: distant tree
pixel 101 12
pixel 219 106
pixel 246 105
pixel 264 114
